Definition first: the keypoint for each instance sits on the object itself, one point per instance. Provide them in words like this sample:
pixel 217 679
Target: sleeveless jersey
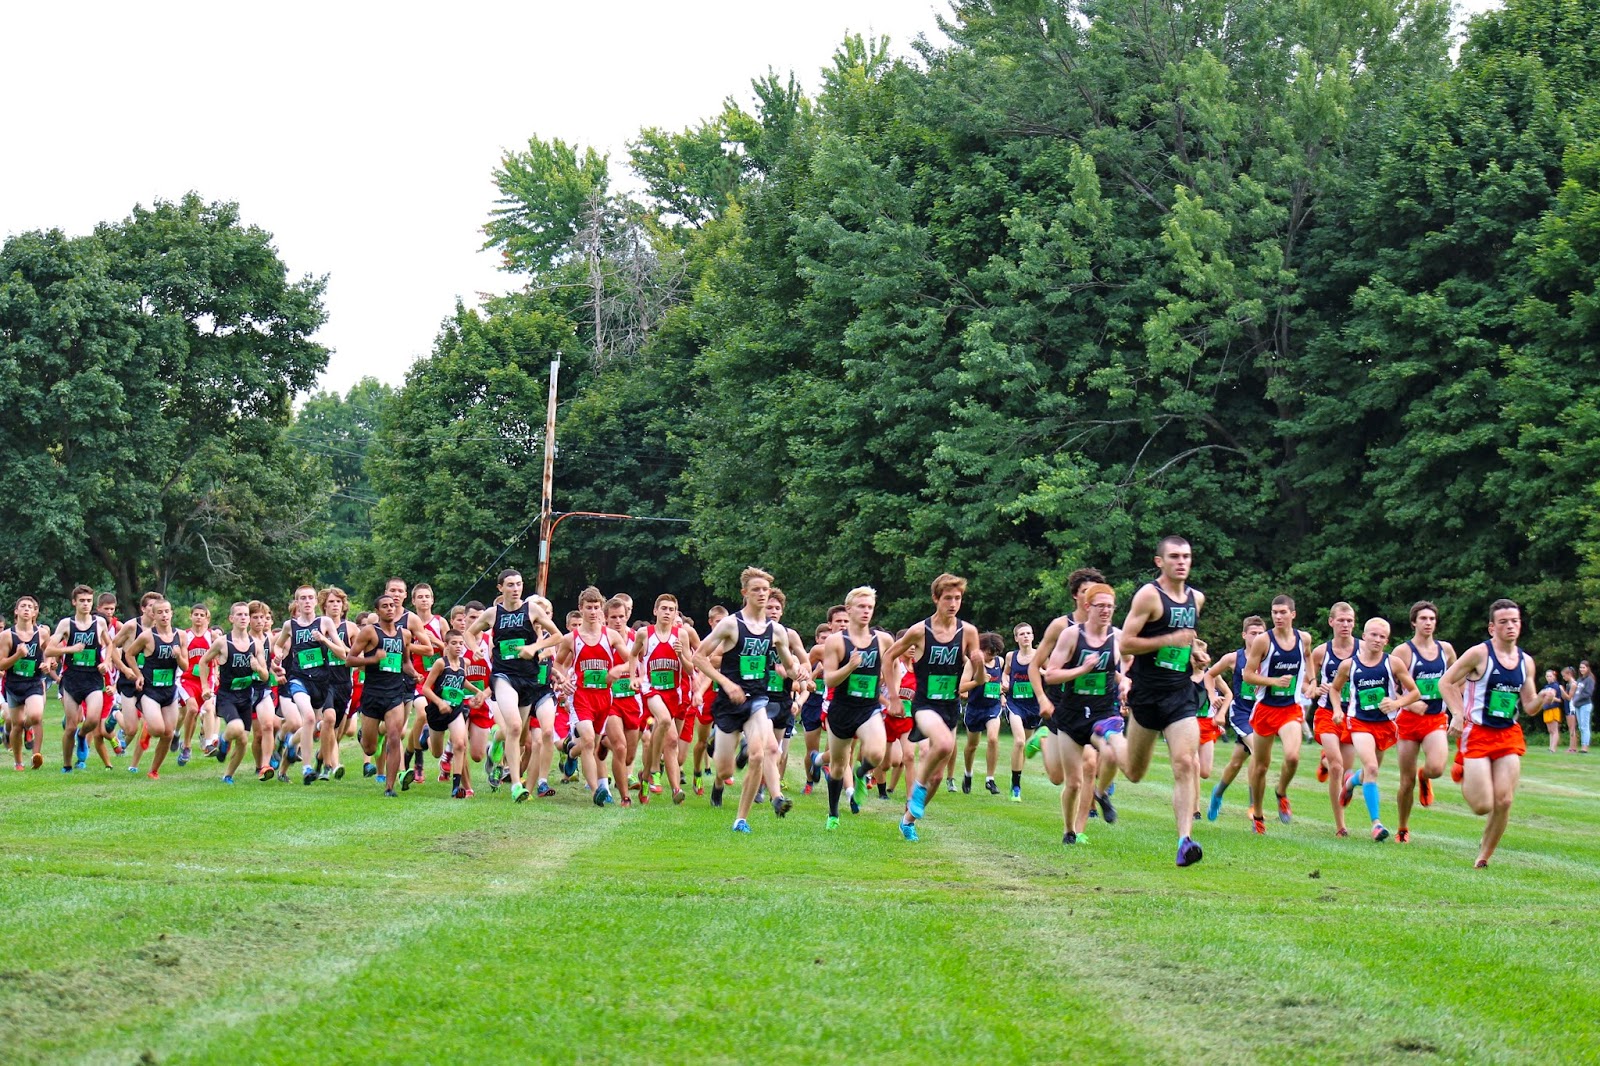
pixel 987 694
pixel 859 692
pixel 779 688
pixel 1094 694
pixel 161 665
pixel 1330 667
pixel 1022 694
pixel 662 665
pixel 1426 673
pixel 234 672
pixel 26 669
pixel 1495 699
pixel 199 644
pixel 511 630
pixel 1369 687
pixel 1281 662
pixel 1244 693
pixel 307 658
pixel 385 679
pixel 938 668
pixel 593 663
pixel 84 658
pixel 452 684
pixel 752 654
pixel 1166 669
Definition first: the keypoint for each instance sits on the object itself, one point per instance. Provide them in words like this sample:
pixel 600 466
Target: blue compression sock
pixel 1369 792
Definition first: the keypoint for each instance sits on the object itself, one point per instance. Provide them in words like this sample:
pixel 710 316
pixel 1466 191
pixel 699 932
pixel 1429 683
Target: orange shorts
pixel 1416 727
pixel 1386 735
pixel 1266 720
pixel 1322 725
pixel 896 726
pixel 1484 742
pixel 1209 730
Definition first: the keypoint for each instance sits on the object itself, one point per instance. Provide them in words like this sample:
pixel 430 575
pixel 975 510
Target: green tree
pixel 338 431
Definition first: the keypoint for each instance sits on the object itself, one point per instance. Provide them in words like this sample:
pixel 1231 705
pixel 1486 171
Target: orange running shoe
pixel 1322 770
pixel 1424 791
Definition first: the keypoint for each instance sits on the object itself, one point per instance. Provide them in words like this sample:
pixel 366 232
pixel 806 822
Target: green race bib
pixel 1022 690
pixel 905 707
pixel 24 667
pixel 776 682
pixel 991 690
pixel 1204 710
pixel 1281 690
pixel 1173 658
pixel 1247 692
pixel 1093 684
pixel 752 668
pixel 622 686
pixel 542 677
pixel 198 670
pixel 390 663
pixel 84 657
pixel 663 680
pixel 241 683
pixel 162 678
pixel 309 658
pixel 595 679
pixel 508 648
pixel 942 687
pixel 1504 704
pixel 863 687
pixel 1369 698
pixel 455 697
pixel 1428 687
pixel 428 661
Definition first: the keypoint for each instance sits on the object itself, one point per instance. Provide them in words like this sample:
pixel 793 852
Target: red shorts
pixel 1416 727
pixel 896 726
pixel 1384 733
pixel 1483 742
pixel 1209 731
pixel 592 706
pixel 686 730
pixel 1322 725
pixel 704 716
pixel 191 687
pixel 1266 720
pixel 481 717
pixel 630 711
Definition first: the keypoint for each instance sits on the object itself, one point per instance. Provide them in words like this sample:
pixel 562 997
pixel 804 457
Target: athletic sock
pixel 1369 792
pixel 1220 788
pixel 835 790
pixel 883 790
pixel 1016 779
pixel 455 782
pixel 409 755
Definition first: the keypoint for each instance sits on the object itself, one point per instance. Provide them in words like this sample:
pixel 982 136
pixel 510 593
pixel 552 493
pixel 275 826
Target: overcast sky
pixel 364 141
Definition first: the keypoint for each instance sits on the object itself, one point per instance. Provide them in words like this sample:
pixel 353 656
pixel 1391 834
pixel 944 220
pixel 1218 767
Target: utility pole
pixel 546 526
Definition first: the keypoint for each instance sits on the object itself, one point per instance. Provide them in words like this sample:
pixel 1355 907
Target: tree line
pixel 1287 279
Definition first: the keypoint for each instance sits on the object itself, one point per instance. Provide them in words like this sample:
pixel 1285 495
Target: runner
pixel 333 605
pixel 306 644
pixel 1483 691
pixel 1023 705
pixel 448 692
pixel 984 695
pixel 1241 702
pixel 1084 701
pixel 518 683
pixel 159 660
pixel 943 646
pixel 422 661
pixel 1077 582
pixel 241 663
pixel 780 687
pixel 199 685
pixel 1423 725
pixel 664 648
pixel 1380 685
pixel 626 705
pixel 741 703
pixel 1206 701
pixel 856 669
pixel 1337 754
pixel 24 647
pixel 1160 633
pixel 1274 666
pixel 127 692
pixel 83 639
pixel 384 651
pixel 596 655
pixel 271 714
pixel 811 711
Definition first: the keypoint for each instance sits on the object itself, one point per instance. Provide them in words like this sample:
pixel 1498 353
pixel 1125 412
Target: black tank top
pixel 938 668
pixel 27 665
pixel 161 666
pixel 860 689
pixel 85 642
pixel 512 630
pixel 307 658
pixel 753 654
pixel 1094 695
pixel 235 673
pixel 452 687
pixel 1166 669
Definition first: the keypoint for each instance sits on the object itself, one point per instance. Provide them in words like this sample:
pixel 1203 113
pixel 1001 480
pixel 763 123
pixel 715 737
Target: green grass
pixel 187 921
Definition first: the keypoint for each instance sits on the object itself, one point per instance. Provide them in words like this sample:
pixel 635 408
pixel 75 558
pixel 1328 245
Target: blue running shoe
pixel 227 779
pixel 1214 808
pixel 1107 811
pixel 81 764
pixel 909 831
pixel 918 803
pixel 741 826
pixel 67 769
pixel 855 804
pixel 1189 852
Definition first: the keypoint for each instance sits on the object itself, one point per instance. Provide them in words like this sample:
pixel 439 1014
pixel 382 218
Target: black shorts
pixel 845 721
pixel 1077 726
pixel 164 696
pixel 529 690
pixel 811 713
pixel 1031 718
pixel 1161 708
pixel 730 717
pixel 949 712
pixel 781 712
pixel 127 689
pixel 317 692
pixel 439 721
pixel 339 701
pixel 237 706
pixel 20 689
pixel 80 685
pixel 377 700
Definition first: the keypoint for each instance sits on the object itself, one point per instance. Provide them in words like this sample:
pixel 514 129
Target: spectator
pixel 1582 706
pixel 1552 700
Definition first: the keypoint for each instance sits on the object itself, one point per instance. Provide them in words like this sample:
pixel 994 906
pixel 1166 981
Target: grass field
pixel 188 921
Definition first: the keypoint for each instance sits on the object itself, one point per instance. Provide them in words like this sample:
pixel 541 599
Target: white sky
pixel 363 141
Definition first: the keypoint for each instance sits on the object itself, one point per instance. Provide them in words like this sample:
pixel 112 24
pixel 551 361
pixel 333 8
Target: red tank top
pixel 593 663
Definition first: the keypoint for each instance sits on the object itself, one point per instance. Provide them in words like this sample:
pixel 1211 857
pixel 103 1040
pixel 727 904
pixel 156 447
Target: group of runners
pixel 635 710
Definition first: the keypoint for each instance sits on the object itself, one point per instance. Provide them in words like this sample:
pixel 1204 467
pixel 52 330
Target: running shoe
pixel 544 790
pixel 1034 741
pixel 1189 852
pixel 133 769
pixel 265 773
pixel 1403 836
pixel 855 804
pixel 1424 791
pixel 966 784
pixel 699 789
pixel 1258 825
pixel 994 789
pixel 444 767
pixel 741 826
pixel 1283 809
pixel 1069 837
pixel 1457 772
pixel 209 748
pixel 950 786
pixel 782 805
pixel 469 793
pixel 918 803
pixel 307 776
pixel 909 831
pixel 367 769
pixel 1322 770
pixel 519 793
pixel 804 791
pixel 1379 833
pixel 1349 789
pixel 602 796
pixel 154 775
pixel 338 772
pixel 814 768
pixel 325 775
pixel 227 779
pixel 459 792
pixel 1214 808
pixel 405 780
pixel 222 750
pixel 626 802
pixel 1343 832
pixel 389 794
pixel 832 822
pixel 183 756
pixel 1480 864
pixel 1016 794
pixel 761 795
pixel 1103 801
pixel 379 778
pixel 716 795
pixel 678 796
pixel 81 764
pixel 741 760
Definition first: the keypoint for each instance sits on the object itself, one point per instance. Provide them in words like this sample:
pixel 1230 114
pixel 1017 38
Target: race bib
pixel 1204 710
pixel 1247 691
pixel 239 684
pixel 942 687
pixel 1281 690
pixel 428 661
pixel 508 648
pixel 1369 698
pixel 24 667
pixel 991 690
pixel 198 670
pixel 596 679
pixel 1090 684
pixel 455 697
pixel 622 686
pixel 1504 704
pixel 162 678
pixel 1022 690
pixel 663 680
pixel 1173 658
pixel 752 668
pixel 1428 687
pixel 84 657
pixel 861 686
pixel 309 658
pixel 542 677
pixel 390 663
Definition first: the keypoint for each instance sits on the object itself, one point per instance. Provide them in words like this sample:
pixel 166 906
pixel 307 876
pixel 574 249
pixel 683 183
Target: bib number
pixel 455 697
pixel 1090 684
pixel 390 663
pixel 991 690
pixel 161 678
pixel 1428 687
pixel 595 679
pixel 752 668
pixel 663 680
pixel 309 658
pixel 24 667
pixel 1247 692
pixel 1022 690
pixel 84 657
pixel 861 686
pixel 1369 698
pixel 1173 658
pixel 1504 704
pixel 942 687
pixel 239 684
pixel 622 686
pixel 508 648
